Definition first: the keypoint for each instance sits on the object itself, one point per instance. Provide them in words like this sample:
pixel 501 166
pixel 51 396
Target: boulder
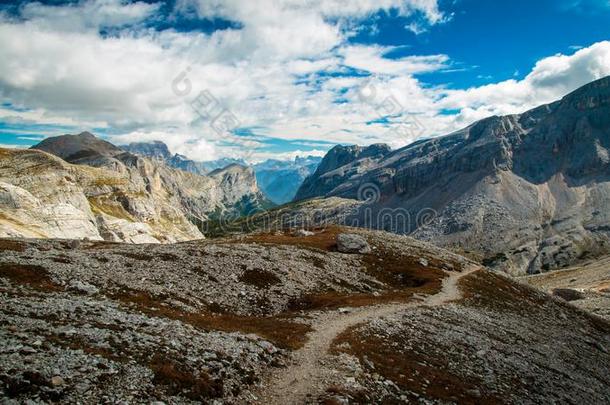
pixel 568 294
pixel 351 243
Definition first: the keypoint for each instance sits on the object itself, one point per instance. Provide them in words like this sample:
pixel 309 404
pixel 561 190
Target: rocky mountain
pixel 158 150
pixel 106 193
pixel 280 179
pixel 528 192
pixel 212 165
pixel 275 318
pixel 352 156
pixel 73 147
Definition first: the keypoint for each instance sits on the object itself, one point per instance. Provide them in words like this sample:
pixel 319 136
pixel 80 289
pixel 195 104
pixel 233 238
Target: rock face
pixel 279 179
pixel 528 192
pixel 340 162
pixel 113 195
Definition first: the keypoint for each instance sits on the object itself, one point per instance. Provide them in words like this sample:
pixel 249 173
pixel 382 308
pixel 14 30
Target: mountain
pixel 277 179
pixel 73 147
pixel 280 179
pixel 159 151
pixel 353 157
pixel 106 193
pixel 527 192
pixel 212 165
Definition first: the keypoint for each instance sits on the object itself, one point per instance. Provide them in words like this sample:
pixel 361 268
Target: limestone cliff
pixel 110 194
pixel 528 192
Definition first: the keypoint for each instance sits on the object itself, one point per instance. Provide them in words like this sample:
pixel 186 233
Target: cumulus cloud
pixel 89 14
pixel 550 79
pixel 285 68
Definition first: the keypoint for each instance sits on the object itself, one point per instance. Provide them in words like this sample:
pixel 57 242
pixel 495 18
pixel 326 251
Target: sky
pixel 281 78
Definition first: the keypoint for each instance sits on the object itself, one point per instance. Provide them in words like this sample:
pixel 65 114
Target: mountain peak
pixel 68 146
pixel 154 149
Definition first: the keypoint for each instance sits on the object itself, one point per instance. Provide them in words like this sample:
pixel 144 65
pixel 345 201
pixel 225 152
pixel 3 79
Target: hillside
pixel 527 192
pixel 254 318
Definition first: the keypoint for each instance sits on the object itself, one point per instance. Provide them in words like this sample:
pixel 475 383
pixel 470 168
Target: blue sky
pixel 275 79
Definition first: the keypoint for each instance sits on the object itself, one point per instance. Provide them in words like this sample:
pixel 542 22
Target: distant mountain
pixel 159 151
pixel 73 147
pixel 280 179
pixel 339 157
pixel 277 179
pixel 211 165
pixel 528 192
pixel 111 194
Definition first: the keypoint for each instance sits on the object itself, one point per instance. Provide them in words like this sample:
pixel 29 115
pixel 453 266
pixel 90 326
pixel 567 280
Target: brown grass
pixel 323 239
pixel 283 333
pixel 411 369
pixel 36 277
pixel 403 275
pixel 12 245
pixel 178 379
pixel 502 295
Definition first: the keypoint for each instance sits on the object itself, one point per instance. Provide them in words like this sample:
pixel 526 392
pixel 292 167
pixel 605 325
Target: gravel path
pixel 305 375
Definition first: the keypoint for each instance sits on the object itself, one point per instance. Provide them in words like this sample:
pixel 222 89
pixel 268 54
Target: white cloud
pixel 550 79
pixel 371 59
pixel 92 14
pixel 285 71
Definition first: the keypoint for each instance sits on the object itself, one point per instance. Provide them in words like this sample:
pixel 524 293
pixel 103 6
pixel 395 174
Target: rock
pixel 83 287
pixel 344 310
pixel 352 243
pixel 57 381
pixel 302 233
pixel 423 262
pixel 268 347
pixel 567 294
pixel 73 244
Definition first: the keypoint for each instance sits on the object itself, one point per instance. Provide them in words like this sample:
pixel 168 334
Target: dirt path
pixel 305 376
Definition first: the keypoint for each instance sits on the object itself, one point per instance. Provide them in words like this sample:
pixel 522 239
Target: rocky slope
pixel 113 195
pixel 234 319
pixel 586 286
pixel 528 192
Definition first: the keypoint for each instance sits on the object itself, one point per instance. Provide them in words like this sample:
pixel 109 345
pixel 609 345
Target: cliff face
pixel 339 164
pixel 528 192
pixel 46 197
pixel 112 195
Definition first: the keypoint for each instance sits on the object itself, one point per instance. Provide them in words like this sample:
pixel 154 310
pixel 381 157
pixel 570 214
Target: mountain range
pixel 77 186
pixel 279 180
pixel 526 192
